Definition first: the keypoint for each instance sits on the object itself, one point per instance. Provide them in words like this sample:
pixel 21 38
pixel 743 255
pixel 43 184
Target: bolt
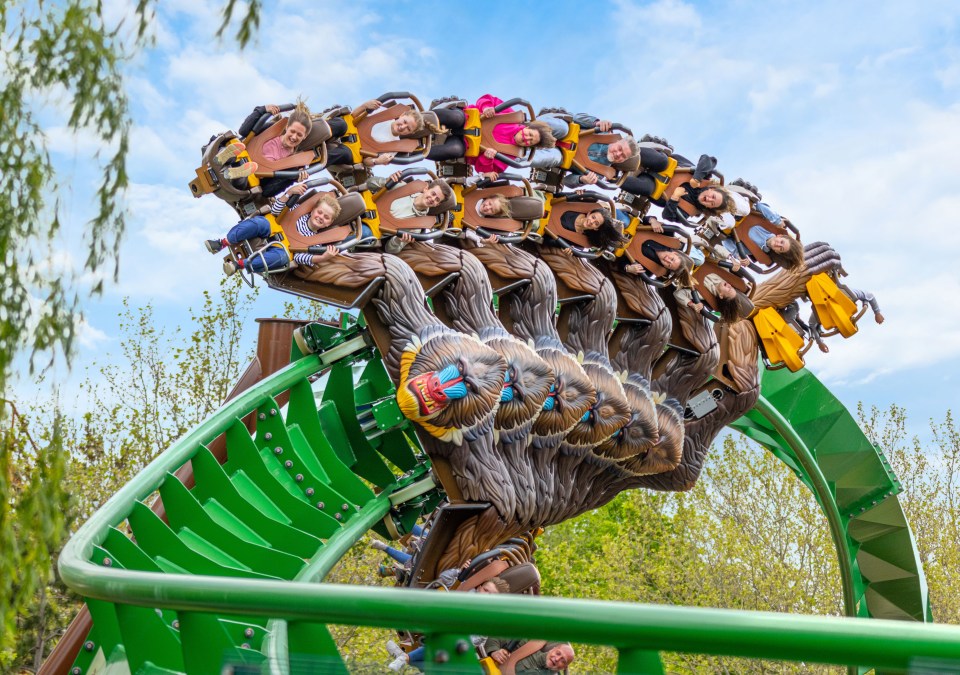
pixel 441 656
pixel 320 505
pixel 268 435
pixel 273 412
pixel 75 671
pixel 107 562
pixel 245 645
pixel 288 464
pixel 88 645
pixel 345 507
pixel 309 492
pixel 248 633
pixel 462 647
pixel 298 478
pixel 278 451
pixel 338 516
pixel 261 416
pixel 874 502
pixel 176 624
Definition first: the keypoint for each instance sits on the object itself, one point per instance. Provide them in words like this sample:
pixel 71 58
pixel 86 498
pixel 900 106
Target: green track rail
pixel 232 575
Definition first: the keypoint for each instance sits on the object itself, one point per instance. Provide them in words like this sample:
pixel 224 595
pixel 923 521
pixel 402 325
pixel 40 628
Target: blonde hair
pixel 328 199
pixel 420 124
pixel 503 208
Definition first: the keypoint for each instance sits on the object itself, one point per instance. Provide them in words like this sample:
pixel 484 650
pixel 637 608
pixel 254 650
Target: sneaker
pixel 398 663
pixel 242 171
pixel 229 152
pixel 395 650
pixel 214 245
pixel 230 268
pixel 379 545
pixel 386 570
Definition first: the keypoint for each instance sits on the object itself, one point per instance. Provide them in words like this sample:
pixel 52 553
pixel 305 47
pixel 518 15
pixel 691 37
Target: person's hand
pixel 735 265
pixel 678 193
pixel 272 109
pixel 695 306
pixel 303 176
pixel 744 262
pixel 466 564
pixel 489 153
pixel 878 317
pixel 580 191
pixel 567 252
pixel 634 268
pixel 500 656
pixel 656 225
pixel 492 239
pixel 694 182
pixel 490 175
pixel 396 176
pixel 297 189
pixel 822 346
pixel 331 252
pixel 385 158
pixel 406 238
pixel 487 113
pixel 589 178
pixel 371 105
pixel 604 125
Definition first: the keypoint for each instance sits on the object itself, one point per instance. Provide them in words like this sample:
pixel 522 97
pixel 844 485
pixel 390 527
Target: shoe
pixel 386 570
pixel 229 152
pixel 230 268
pixel 214 245
pixel 398 663
pixel 242 171
pixel 379 545
pixel 395 650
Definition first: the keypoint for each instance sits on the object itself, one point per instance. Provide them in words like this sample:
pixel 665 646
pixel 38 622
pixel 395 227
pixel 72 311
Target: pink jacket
pixel 503 133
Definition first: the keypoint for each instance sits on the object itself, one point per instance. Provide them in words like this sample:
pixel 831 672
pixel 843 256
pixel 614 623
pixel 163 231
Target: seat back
pixel 555 227
pixel 495 568
pixel 635 251
pixel 306 153
pixel 390 224
pixel 487 126
pixel 590 137
pixel 711 268
pixel 387 114
pixel 445 522
pixel 522 578
pixel 471 218
pixel 743 232
pixel 344 226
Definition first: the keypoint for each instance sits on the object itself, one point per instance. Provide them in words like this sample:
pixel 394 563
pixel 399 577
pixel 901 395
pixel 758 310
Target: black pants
pixel 454 120
pixel 643 185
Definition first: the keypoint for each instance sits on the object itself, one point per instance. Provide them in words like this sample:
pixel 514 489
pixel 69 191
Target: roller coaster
pixel 557 313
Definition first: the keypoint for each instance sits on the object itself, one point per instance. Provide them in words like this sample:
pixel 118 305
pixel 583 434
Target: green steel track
pixel 231 574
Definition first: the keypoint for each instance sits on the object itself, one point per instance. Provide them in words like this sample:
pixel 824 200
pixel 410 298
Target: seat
pixel 346 225
pixel 389 112
pixel 781 344
pixel 555 209
pixel 743 234
pixel 310 150
pixel 835 309
pixel 634 251
pixel 390 224
pixel 582 161
pixel 734 280
pixel 524 208
pixel 446 519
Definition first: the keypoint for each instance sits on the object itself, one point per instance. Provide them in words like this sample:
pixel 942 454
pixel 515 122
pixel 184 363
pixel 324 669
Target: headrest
pixel 629 165
pixel 352 206
pixel 319 133
pixel 443 206
pixel 521 577
pixel 526 208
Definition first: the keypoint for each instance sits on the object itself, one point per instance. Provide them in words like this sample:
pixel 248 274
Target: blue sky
pixel 844 114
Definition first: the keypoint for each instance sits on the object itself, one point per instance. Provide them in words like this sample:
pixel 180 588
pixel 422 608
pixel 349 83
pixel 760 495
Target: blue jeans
pixel 415 657
pixel 544 158
pixel 253 228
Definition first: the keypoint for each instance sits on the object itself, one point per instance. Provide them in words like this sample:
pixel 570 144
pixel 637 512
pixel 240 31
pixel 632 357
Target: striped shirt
pixel 303 227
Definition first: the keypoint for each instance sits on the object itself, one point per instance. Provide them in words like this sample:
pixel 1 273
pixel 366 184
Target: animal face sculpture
pixel 571 395
pixel 449 384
